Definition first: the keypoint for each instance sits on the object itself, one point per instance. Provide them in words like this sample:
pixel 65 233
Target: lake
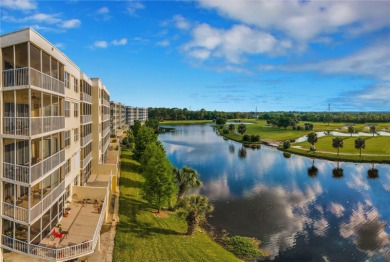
pixel 297 217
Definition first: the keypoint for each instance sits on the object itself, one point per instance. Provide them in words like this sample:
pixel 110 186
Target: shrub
pixel 255 138
pixel 286 144
pixel 243 247
pixel 294 127
pixel 112 135
pixel 299 128
pixel 220 121
pixel 226 131
pixel 114 141
pixel 246 138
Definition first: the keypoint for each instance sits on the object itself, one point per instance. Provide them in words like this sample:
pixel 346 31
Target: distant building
pixel 136 113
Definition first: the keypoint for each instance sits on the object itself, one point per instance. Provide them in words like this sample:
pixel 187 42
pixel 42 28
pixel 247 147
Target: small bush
pixel 299 128
pixel 112 135
pixel 255 138
pixel 226 131
pixel 246 138
pixel 243 247
pixel 114 141
pixel 286 144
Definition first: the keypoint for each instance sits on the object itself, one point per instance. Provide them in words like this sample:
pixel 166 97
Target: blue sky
pixel 233 55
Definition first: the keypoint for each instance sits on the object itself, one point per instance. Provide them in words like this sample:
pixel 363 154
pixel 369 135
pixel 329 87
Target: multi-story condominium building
pixel 142 114
pixel 136 113
pixel 115 112
pixel 46 135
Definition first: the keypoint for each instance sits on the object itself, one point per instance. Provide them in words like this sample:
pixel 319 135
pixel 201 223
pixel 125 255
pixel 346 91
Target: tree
pixel 153 123
pixel 351 129
pixel 286 144
pixel 135 128
pixel 159 185
pixel 231 127
pixel 145 136
pixel 241 129
pixel 197 207
pixel 338 143
pixel 312 139
pixel 220 121
pixel 373 130
pixel 360 144
pixel 186 178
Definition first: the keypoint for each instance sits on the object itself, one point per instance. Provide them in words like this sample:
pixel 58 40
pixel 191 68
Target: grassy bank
pixel 377 148
pixel 185 122
pixel 143 236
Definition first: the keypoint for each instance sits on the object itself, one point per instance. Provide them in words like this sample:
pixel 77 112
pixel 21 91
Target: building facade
pixel 46 142
pixel 136 113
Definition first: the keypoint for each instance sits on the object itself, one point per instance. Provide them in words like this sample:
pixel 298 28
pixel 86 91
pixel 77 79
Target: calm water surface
pixel 297 216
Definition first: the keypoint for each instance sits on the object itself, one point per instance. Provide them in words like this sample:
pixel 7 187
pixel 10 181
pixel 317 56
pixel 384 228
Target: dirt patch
pixel 162 214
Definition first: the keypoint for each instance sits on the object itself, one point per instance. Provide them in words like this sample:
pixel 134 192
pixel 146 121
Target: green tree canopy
pixel 159 185
pixel 241 129
pixel 231 127
pixel 145 136
pixel 312 138
pixel 186 178
pixel 197 207
pixel 351 129
pixel 373 130
pixel 360 144
pixel 338 143
pixel 135 128
pixel 220 121
pixel 153 123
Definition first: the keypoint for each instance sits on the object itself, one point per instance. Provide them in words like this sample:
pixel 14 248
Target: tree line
pixel 162 114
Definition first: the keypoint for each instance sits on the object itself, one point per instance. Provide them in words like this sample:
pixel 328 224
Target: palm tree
pixel 360 144
pixel 231 127
pixel 241 129
pixel 372 130
pixel 338 172
pixel 373 173
pixel 313 170
pixel 351 129
pixel 337 143
pixel 186 178
pixel 312 139
pixel 197 207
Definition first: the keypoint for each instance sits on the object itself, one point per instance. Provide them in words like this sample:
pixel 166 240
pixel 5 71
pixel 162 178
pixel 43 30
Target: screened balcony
pixel 27 161
pixel 28 112
pixel 27 65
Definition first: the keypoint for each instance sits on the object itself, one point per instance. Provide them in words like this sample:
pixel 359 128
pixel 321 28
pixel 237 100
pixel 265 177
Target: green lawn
pixel 141 236
pixel 374 145
pixel 185 122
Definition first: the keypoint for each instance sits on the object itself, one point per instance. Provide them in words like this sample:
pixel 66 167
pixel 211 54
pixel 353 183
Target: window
pixel 67 109
pixel 67 138
pixel 76 135
pixel 67 78
pixel 67 167
pixel 76 85
pixel 76 110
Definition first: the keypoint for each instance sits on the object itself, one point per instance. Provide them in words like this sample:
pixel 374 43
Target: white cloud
pixel 122 41
pixel 72 23
pixel 304 20
pixel 231 44
pixel 105 44
pixel 336 209
pixel 103 10
pixel 133 7
pixel 163 43
pixel 101 44
pixel 60 45
pixel 19 4
pixel 181 22
pixel 43 18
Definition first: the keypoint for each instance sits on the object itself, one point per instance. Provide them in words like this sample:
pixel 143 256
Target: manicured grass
pixel 374 145
pixel 142 236
pixel 185 122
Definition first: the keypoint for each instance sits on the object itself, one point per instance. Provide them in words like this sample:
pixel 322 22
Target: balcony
pixel 86 140
pixel 106 117
pixel 85 119
pixel 83 224
pixel 86 97
pixel 29 126
pixel 105 102
pixel 29 175
pixel 29 76
pixel 21 213
pixel 86 160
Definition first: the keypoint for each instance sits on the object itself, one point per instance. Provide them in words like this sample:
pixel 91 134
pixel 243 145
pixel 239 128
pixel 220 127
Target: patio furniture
pixel 54 234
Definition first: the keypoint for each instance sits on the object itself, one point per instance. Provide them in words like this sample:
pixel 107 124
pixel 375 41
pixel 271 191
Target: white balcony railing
pixel 86 97
pixel 23 214
pixel 86 140
pixel 85 119
pixel 59 254
pixel 25 126
pixel 86 160
pixel 21 77
pixel 106 117
pixel 27 174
